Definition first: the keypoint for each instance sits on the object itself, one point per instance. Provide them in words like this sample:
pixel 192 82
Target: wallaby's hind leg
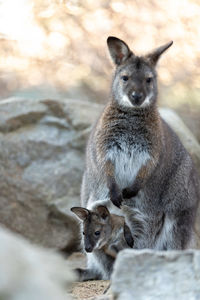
pixel 87 274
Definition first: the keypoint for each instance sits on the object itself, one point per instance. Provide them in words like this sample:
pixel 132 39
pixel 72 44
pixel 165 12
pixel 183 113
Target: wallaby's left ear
pixel 128 236
pixel 154 56
pixel 102 211
pixel 82 213
pixel 119 50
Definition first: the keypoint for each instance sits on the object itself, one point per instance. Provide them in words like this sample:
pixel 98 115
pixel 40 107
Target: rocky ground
pixel 89 289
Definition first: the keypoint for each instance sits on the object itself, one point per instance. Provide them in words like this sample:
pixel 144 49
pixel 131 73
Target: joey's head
pixel 96 226
pixel 135 83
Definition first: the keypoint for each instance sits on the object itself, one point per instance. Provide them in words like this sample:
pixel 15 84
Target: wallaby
pixel 105 235
pixel 132 154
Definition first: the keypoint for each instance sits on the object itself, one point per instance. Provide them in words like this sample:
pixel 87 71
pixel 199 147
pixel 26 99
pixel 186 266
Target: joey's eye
pixel 97 233
pixel 148 79
pixel 124 78
pixel 83 233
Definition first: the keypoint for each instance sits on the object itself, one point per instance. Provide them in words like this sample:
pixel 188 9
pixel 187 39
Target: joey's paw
pixel 128 193
pixel 79 272
pixel 87 274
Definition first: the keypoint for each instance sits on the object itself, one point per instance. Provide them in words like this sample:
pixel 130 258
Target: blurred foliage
pixel 62 43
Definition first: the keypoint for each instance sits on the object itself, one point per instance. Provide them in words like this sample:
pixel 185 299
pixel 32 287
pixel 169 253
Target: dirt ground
pixel 88 289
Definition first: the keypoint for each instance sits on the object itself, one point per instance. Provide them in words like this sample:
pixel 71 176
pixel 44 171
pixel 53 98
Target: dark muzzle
pixel 136 98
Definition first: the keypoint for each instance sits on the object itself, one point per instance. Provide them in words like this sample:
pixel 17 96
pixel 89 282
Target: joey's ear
pixel 119 51
pixel 103 211
pixel 155 54
pixel 128 236
pixel 82 213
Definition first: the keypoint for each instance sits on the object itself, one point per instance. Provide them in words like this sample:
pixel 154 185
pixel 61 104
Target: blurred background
pixel 57 48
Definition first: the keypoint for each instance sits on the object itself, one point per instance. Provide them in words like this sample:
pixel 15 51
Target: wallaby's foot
pixel 128 193
pixel 87 274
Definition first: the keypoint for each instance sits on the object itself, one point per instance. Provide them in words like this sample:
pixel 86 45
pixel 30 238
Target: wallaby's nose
pixel 136 97
pixel 88 248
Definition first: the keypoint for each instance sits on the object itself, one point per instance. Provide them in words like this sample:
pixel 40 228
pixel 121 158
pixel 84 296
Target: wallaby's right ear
pixel 119 50
pixel 103 211
pixel 128 236
pixel 82 213
pixel 154 56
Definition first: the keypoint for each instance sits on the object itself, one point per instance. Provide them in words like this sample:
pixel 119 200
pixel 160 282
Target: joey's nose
pixel 88 249
pixel 136 97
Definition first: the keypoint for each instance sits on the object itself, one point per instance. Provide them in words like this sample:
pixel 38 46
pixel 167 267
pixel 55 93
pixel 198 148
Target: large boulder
pixel 42 145
pixel 150 275
pixel 29 272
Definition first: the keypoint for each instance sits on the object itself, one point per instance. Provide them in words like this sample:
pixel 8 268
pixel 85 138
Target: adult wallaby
pixel 133 154
pixel 104 235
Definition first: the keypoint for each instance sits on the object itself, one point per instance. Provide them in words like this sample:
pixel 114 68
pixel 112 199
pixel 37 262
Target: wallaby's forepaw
pixel 116 199
pixel 128 193
pixel 115 195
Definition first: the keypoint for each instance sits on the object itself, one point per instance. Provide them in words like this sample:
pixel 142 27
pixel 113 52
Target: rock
pixel 31 273
pixel 42 145
pixel 147 275
pixel 186 136
pixel 190 115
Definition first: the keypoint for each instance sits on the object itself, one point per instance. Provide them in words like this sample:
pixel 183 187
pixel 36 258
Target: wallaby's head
pixel 96 226
pixel 134 83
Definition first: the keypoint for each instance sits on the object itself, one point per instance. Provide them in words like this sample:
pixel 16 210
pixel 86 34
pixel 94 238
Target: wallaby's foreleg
pixel 87 274
pixel 114 191
pixel 112 251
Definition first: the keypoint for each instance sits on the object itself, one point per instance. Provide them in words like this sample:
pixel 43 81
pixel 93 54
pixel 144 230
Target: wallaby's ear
pixel 102 211
pixel 155 54
pixel 119 51
pixel 82 213
pixel 128 236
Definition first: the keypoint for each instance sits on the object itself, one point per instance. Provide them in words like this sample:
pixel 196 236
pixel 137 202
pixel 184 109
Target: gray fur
pixel 130 137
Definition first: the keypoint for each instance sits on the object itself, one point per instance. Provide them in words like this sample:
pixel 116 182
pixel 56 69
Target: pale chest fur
pixel 127 162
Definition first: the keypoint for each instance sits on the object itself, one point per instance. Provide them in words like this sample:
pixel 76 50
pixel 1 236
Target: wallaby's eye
pixel 97 233
pixel 124 78
pixel 148 79
pixel 83 233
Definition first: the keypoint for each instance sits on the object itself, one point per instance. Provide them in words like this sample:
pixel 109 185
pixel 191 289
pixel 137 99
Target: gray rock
pixel 149 275
pixel 42 145
pixel 186 136
pixel 31 273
